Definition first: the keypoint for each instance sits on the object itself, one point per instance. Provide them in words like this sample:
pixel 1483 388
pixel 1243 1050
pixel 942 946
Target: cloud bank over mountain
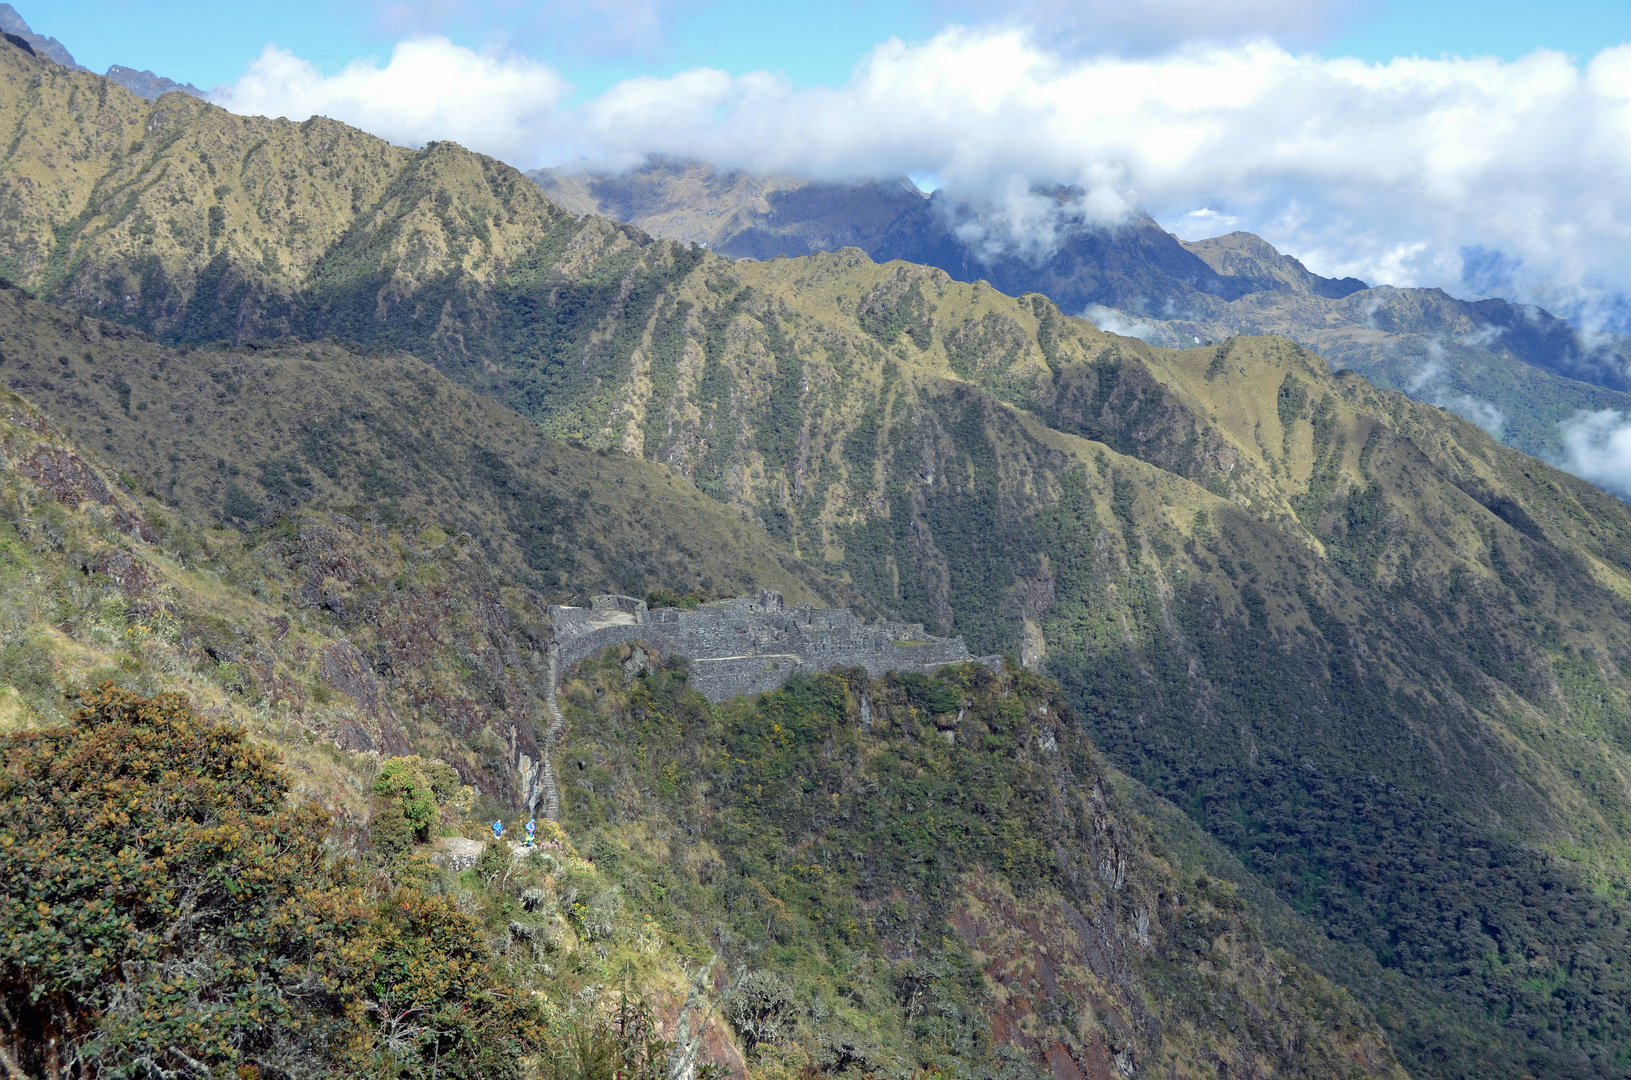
pixel 1414 172
pixel 1597 447
pixel 430 89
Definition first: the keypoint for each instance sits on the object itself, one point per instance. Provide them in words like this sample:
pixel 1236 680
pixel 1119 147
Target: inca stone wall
pixel 742 646
pixel 752 644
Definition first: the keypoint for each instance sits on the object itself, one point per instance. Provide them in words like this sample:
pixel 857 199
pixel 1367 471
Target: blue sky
pixel 210 43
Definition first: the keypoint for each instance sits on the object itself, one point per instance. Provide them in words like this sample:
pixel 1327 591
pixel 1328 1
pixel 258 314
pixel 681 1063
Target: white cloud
pixel 1431 385
pixel 1388 172
pixel 431 89
pixel 1112 321
pixel 1206 222
pixel 1482 338
pixel 1483 413
pixel 1382 171
pixel 1597 447
pixel 1431 373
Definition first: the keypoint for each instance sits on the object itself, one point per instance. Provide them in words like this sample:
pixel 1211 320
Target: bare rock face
pixel 345 669
pixel 71 482
pixel 148 85
pixel 20 34
pixel 457 853
pixel 330 568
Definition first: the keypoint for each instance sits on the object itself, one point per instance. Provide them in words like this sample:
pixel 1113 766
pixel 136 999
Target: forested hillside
pixel 386 672
pixel 1379 658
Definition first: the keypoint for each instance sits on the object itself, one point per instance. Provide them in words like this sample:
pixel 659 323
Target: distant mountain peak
pixel 148 85
pixel 14 25
pixel 145 84
pixel 1247 255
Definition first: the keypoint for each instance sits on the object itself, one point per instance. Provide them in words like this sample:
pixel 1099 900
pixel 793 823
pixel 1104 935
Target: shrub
pixel 390 833
pixel 413 789
pixel 931 693
pixel 164 912
pixel 760 1007
pixel 402 780
pixel 624 1047
pixel 495 860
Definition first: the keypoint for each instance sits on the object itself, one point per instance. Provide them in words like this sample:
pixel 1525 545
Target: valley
pixel 1310 754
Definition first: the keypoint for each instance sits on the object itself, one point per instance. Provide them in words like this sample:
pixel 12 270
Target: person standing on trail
pixel 498 830
pixel 531 825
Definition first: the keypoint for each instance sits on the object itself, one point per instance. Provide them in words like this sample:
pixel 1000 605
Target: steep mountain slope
pixel 325 635
pixel 463 525
pixel 759 217
pixel 1518 371
pixel 1378 656
pixel 1268 590
pixel 245 437
pixel 914 870
pixel 959 939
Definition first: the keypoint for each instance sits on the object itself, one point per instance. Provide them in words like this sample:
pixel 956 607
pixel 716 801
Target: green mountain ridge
pixel 1376 656
pixel 1516 370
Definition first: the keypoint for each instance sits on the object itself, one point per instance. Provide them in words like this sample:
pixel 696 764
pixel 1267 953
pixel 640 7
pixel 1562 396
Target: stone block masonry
pixel 743 646
pixel 753 643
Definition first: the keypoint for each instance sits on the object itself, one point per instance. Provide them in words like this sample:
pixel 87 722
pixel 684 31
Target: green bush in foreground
pixel 164 912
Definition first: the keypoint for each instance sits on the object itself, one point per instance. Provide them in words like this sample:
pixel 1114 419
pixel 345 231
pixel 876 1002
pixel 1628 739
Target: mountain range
pixel 1514 369
pixel 1312 755
pixel 143 84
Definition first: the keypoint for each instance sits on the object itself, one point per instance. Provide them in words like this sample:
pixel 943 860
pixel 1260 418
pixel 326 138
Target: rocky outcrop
pixel 345 669
pixel 20 34
pixel 71 481
pixel 146 84
pixel 548 785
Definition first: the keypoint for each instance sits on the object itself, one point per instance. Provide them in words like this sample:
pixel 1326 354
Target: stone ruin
pixel 743 646
pixel 752 643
